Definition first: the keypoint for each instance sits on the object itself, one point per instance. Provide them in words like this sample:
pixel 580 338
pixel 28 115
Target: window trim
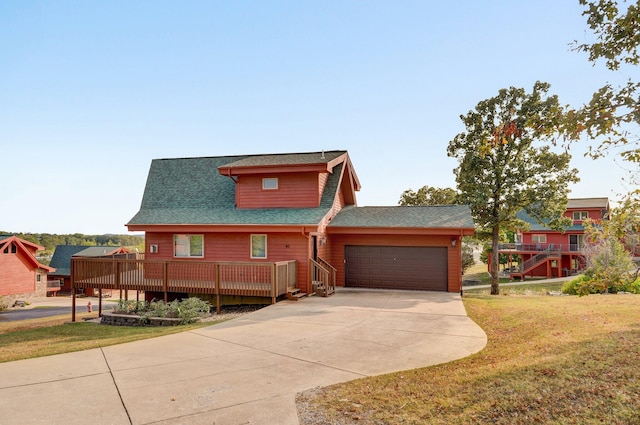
pixel 266 186
pixel 539 235
pixel 581 215
pixel 258 238
pixel 184 237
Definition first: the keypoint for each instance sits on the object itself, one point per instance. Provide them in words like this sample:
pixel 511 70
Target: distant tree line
pixel 50 241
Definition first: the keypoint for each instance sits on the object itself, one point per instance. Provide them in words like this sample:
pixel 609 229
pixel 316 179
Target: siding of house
pixel 17 275
pixel 237 247
pixel 338 243
pixel 295 190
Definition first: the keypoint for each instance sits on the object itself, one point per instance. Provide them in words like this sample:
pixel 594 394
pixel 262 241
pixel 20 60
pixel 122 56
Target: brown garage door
pixel 396 267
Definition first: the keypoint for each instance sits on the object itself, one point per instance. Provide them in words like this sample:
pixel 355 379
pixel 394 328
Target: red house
pixel 549 253
pixel 21 274
pixel 301 207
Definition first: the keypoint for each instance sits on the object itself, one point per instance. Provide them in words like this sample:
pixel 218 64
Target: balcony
pixel 539 247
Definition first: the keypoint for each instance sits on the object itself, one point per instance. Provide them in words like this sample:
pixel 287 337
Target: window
pixel 38 277
pixel 270 183
pixel 539 238
pixel 153 249
pixel 580 215
pixel 188 246
pixel 258 246
pixel 10 249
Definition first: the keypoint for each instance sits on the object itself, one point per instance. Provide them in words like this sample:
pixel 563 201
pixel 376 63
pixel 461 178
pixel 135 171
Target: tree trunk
pixel 495 261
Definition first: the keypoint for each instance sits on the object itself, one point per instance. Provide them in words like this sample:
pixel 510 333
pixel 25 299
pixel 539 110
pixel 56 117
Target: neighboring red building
pixel 550 253
pixel 302 207
pixel 21 274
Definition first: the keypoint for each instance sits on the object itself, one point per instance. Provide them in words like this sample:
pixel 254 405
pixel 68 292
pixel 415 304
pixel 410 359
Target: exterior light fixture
pixel 453 242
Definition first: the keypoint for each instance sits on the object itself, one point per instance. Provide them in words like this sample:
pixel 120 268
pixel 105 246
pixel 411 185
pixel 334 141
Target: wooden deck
pixel 253 279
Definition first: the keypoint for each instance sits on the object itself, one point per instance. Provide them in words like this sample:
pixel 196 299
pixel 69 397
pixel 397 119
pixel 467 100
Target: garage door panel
pixel 423 268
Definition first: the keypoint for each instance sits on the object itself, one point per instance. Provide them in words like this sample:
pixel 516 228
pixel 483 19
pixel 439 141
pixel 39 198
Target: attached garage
pixel 396 267
pixel 416 247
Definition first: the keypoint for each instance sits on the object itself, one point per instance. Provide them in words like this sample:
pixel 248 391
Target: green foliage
pixel 617 31
pixel 467 257
pixel 585 285
pixel 429 196
pixel 187 310
pixel 582 285
pixel 609 263
pixel 506 167
pixel 130 306
pixel 49 241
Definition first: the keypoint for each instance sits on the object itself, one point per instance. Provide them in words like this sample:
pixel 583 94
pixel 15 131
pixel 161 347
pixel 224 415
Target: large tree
pixel 613 110
pixel 427 195
pixel 506 164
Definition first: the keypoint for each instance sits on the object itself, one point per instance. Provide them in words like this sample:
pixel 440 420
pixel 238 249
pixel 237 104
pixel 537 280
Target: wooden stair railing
pixel 323 277
pixel 536 260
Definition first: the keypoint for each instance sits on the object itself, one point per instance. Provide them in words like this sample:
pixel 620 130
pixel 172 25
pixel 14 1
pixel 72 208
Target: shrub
pixel 3 304
pixel 583 285
pixel 187 310
pixel 130 306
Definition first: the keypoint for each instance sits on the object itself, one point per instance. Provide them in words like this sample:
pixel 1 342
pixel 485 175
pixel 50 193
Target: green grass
pixel 42 337
pixel 549 359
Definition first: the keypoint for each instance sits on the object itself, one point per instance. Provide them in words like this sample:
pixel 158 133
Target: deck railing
pixel 539 247
pixel 196 277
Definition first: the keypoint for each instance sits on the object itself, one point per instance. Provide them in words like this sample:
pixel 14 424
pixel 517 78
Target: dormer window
pixel 269 183
pixel 580 215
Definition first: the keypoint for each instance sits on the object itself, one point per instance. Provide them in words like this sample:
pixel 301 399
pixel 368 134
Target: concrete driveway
pixel 245 371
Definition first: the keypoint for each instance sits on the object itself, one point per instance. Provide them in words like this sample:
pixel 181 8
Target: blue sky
pixel 91 92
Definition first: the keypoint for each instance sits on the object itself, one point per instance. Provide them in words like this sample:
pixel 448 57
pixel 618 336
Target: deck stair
pixel 321 289
pixel 294 294
pixel 550 253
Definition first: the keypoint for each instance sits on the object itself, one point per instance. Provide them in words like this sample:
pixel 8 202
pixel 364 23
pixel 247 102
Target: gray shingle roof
pixel 61 259
pixel 435 216
pixel 192 191
pixel 602 203
pixel 287 159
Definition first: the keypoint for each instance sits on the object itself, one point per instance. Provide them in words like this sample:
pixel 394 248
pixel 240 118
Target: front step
pixel 294 294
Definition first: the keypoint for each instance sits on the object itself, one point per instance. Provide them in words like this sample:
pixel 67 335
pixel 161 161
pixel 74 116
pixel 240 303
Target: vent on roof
pixel 322 157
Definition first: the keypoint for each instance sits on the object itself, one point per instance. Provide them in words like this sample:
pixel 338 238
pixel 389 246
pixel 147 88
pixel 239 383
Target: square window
pixel 258 246
pixel 153 249
pixel 188 246
pixel 270 183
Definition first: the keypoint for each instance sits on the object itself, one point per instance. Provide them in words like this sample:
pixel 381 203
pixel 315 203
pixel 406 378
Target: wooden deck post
pixel 100 302
pixel 165 278
pixel 217 285
pixel 73 293
pixel 274 282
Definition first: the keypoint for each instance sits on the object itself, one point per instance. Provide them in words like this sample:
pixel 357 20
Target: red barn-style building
pixel 21 274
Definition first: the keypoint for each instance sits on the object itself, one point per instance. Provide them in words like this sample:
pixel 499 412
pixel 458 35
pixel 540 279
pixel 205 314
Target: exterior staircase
pixel 323 281
pixel 550 253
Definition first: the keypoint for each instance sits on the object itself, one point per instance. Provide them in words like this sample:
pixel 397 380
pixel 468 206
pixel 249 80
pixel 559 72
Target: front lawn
pixel 549 360
pixel 52 335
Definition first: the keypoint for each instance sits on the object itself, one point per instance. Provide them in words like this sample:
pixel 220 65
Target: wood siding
pixel 17 274
pixel 237 247
pixel 295 190
pixel 454 274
